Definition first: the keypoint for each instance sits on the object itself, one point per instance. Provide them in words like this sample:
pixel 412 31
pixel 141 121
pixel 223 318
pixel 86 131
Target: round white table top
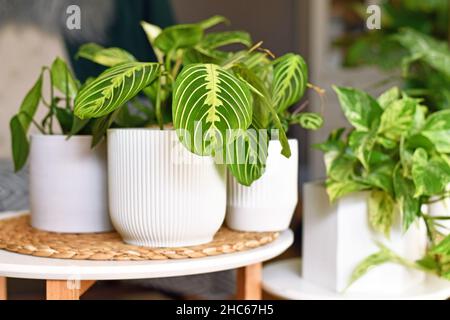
pixel 23 266
pixel 283 279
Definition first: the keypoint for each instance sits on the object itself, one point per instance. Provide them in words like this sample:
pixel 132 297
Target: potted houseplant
pixel 160 190
pixel 68 179
pixel 379 181
pixel 266 200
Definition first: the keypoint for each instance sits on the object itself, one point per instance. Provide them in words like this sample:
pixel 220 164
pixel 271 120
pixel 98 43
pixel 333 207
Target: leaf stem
pixel 300 108
pixel 428 228
pixel 50 105
pixel 158 112
pixel 237 57
pixel 39 127
pixel 177 67
pixel 321 92
pixel 443 197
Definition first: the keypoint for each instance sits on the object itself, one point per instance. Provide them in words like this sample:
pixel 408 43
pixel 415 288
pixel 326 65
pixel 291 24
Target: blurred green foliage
pixel 413 41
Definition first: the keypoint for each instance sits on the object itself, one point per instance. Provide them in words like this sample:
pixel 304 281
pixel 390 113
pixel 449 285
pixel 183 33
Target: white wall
pixel 23 50
pixel 326 71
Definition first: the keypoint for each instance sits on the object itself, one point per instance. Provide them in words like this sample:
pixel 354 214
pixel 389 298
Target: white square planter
pixel 337 237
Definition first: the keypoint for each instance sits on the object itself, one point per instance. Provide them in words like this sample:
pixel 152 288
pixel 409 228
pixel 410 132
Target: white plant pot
pixel 269 203
pixel 161 195
pixel 337 237
pixel 68 185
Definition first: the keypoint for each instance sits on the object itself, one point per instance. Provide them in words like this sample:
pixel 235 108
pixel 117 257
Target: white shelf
pixel 23 266
pixel 283 279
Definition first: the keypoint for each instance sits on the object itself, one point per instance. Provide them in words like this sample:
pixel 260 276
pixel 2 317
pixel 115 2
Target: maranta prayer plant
pixel 219 99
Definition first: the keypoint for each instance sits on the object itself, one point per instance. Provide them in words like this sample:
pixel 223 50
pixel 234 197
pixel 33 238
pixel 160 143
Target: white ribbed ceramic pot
pixel 269 203
pixel 161 195
pixel 68 185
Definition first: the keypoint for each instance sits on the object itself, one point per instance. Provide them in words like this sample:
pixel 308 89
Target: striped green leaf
pixel 207 101
pixel 290 77
pixel 263 107
pixel 113 88
pixel 247 155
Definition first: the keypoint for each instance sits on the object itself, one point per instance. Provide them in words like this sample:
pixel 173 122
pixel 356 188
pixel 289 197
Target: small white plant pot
pixel 337 237
pixel 68 185
pixel 269 203
pixel 162 195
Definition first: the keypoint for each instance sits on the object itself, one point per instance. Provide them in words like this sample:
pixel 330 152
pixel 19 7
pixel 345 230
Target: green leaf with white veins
pixel 307 120
pixel 247 155
pixel 113 88
pixel 290 77
pixel 207 101
pixel 360 109
pixel 262 104
pixel 105 56
pixel 437 130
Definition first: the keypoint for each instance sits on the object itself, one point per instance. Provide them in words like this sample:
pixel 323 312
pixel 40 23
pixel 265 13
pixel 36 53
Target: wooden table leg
pixel 249 282
pixel 3 289
pixel 67 289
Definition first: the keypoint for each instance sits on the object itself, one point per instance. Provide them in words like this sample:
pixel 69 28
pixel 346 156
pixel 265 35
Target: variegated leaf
pixel 113 88
pixel 207 101
pixel 247 155
pixel 290 77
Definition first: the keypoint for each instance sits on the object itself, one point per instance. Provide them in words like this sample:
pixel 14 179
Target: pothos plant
pixel 59 104
pixel 412 45
pixel 397 151
pixel 211 92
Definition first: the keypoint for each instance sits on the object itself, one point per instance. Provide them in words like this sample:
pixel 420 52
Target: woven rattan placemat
pixel 18 236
